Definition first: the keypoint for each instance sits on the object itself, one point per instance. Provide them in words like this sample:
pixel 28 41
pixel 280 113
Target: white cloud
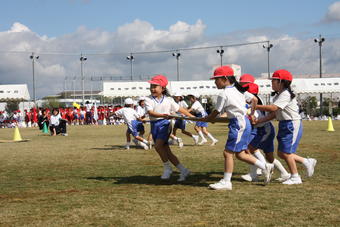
pixel 333 13
pixel 106 53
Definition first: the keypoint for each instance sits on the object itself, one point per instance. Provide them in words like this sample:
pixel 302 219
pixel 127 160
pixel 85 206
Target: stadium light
pixel 268 47
pixel 34 58
pixel 177 55
pixel 221 52
pixel 320 40
pixel 82 59
pixel 131 58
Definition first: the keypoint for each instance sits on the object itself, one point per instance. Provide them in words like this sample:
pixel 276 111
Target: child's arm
pixel 268 117
pixel 254 101
pixel 155 114
pixel 267 108
pixel 212 116
pixel 185 112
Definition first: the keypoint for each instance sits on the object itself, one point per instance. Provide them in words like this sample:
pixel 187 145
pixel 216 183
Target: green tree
pixel 11 106
pixel 53 103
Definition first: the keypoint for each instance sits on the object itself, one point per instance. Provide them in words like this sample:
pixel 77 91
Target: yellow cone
pixel 17 136
pixel 330 125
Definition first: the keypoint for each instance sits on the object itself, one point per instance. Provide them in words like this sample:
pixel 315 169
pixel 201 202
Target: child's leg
pixel 225 183
pixel 205 131
pixel 290 160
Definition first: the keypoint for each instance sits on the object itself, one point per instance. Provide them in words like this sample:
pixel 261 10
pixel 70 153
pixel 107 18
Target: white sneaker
pixel 196 138
pixel 202 142
pixel 166 174
pixel 268 172
pixel 183 175
pixel 180 142
pixel 64 134
pixel 221 185
pixel 259 171
pixel 293 180
pixel 214 142
pixel 127 147
pixel 145 146
pixel 283 178
pixel 311 166
pixel 248 177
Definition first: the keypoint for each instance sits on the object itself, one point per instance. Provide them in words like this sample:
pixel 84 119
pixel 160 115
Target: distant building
pixel 16 92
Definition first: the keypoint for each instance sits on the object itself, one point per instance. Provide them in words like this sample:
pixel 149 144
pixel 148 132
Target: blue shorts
pixel 289 135
pixel 264 139
pixel 201 123
pixel 161 129
pixel 135 127
pixel 252 134
pixel 179 123
pixel 239 133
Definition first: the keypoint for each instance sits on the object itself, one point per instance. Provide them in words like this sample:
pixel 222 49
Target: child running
pixel 180 123
pixel 134 124
pixel 262 138
pixel 232 101
pixel 286 110
pixel 200 127
pixel 159 106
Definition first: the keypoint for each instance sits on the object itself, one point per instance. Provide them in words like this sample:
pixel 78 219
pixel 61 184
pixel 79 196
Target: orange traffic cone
pixel 330 125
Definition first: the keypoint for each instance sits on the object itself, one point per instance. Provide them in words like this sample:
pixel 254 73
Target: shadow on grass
pixel 195 179
pixel 116 147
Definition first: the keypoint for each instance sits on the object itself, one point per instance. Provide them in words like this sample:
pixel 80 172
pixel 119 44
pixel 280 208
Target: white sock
pixel 175 138
pixel 295 175
pixel 193 136
pixel 227 176
pixel 167 165
pixel 128 143
pixel 145 141
pixel 211 137
pixel 200 133
pixel 280 167
pixel 305 162
pixel 180 167
pixel 260 156
pixel 260 164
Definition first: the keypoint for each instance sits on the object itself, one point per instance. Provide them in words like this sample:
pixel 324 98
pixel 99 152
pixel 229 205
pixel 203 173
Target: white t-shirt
pixel 197 108
pixel 182 104
pixel 128 114
pixel 141 111
pixel 88 107
pixel 164 105
pixel 55 119
pixel 232 102
pixel 288 108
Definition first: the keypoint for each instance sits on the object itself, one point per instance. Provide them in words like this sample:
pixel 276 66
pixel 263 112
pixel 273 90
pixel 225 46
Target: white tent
pixel 207 87
pixel 14 92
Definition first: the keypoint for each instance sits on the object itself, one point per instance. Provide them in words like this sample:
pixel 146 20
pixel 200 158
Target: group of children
pixel 249 126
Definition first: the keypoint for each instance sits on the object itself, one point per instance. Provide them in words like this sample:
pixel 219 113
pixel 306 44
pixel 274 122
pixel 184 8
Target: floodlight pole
pixel 320 40
pixel 34 58
pixel 82 59
pixel 268 47
pixel 131 58
pixel 177 55
pixel 220 52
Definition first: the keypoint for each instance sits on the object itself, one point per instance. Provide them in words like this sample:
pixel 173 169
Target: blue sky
pixel 60 30
pixel 56 18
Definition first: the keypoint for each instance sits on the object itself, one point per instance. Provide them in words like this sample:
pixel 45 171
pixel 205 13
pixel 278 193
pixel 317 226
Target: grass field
pixel 88 178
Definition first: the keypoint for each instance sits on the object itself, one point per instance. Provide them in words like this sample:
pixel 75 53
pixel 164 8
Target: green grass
pixel 88 178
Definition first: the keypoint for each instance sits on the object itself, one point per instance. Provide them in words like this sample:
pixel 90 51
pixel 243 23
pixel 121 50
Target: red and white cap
pixel 159 80
pixel 247 78
pixel 223 71
pixel 282 74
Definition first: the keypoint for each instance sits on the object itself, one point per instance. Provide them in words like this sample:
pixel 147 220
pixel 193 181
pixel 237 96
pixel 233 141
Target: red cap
pixel 159 80
pixel 253 88
pixel 282 74
pixel 223 71
pixel 247 78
